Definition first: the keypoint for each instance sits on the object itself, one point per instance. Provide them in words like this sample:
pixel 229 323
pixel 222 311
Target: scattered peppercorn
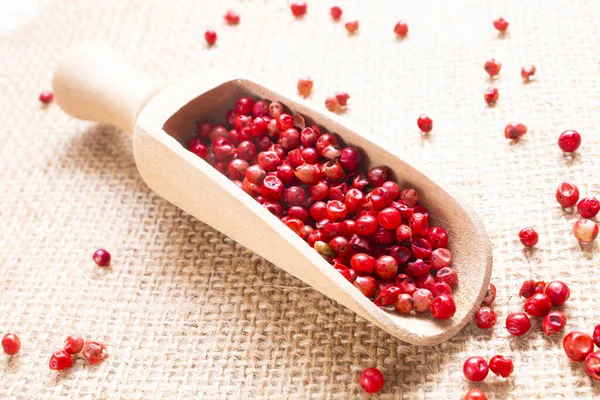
pixel 501 24
pixel 11 344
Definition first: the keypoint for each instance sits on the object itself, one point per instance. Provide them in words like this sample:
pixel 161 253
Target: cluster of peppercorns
pixel 540 298
pixel 91 351
pixel 585 230
pixel 372 231
pixel 476 368
pixel 579 347
pixel 485 317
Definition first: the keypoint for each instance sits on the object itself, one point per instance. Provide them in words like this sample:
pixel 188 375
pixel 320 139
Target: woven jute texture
pixel 188 313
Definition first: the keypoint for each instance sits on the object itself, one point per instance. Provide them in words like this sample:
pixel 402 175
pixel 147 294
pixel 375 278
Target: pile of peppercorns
pixel 365 225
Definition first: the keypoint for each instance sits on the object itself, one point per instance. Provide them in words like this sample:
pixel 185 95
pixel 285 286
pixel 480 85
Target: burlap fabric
pixel 188 313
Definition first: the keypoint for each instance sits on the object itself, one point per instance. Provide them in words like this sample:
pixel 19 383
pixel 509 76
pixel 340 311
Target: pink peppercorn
pixel 492 67
pixel 569 141
pixel 527 72
pixel 298 8
pixel 567 194
pixel 102 258
pixel 588 207
pixel 501 24
pixel 585 230
pixel 351 26
pixel 425 123
pixel 528 237
pixel 518 323
pixel 46 97
pixel 336 13
pixel 11 344
pixel 475 369
pixel 371 380
pixel 514 131
pixel 485 318
pixel 210 37
pixel 401 29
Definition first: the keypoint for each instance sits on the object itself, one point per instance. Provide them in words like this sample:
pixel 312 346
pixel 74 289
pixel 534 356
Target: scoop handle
pixel 93 82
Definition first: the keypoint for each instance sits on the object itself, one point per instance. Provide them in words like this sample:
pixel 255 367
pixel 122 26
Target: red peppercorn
pixel 475 369
pixel 350 158
pixel 528 237
pixel 196 146
pixel 362 263
pixel 440 288
pixel 401 29
pixel 60 360
pixel 553 322
pixel 442 307
pixel 102 258
pixel 342 98
pixel 475 394
pixel 421 248
pixel 490 296
pixel 298 8
pixel 485 318
pixel 336 210
pixel 440 258
pixel 592 365
pixel 94 352
pixel 567 194
pixel 210 37
pixel 569 141
pixel 518 323
pixel 389 218
pixel 437 236
pixel 585 230
pixel 425 123
pixel 271 188
pixel 351 26
pixel 596 335
pixel 404 303
pixel 558 292
pixel 492 67
pixel 46 97
pixel 231 17
pixel 386 267
pixel 422 299
pixel 538 305
pixel 527 72
pixel 578 345
pixel 377 175
pixel 336 13
pixel 366 285
pixel 502 366
pixel 501 24
pixel 371 380
pixel 332 104
pixel 514 131
pixel 73 344
pixel 588 207
pixel 419 225
pixel 11 344
pixel 448 275
pixel 305 86
pixel 387 296
pixel 366 225
pixel 491 95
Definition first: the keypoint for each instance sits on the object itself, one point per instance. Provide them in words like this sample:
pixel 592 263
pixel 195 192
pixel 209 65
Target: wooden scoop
pixel 92 82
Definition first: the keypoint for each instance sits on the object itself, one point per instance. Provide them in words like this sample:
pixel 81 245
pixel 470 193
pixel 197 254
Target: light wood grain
pixel 168 119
